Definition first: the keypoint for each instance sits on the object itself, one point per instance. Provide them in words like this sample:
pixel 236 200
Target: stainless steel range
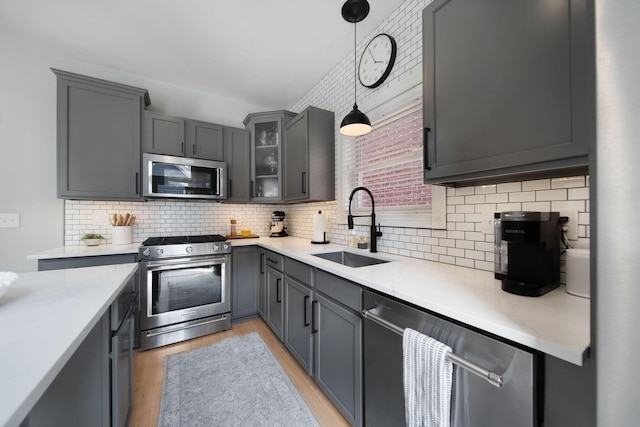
pixel 185 288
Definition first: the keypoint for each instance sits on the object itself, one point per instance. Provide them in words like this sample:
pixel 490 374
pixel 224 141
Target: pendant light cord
pixel 355 68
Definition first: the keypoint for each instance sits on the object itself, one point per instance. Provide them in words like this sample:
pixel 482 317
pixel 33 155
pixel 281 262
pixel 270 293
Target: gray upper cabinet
pixel 508 89
pixel 163 134
pixel 309 157
pixel 267 137
pixel 98 137
pixel 175 136
pixel 237 150
pixel 205 140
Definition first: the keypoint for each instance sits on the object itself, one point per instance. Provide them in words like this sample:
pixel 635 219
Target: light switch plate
pixel 9 220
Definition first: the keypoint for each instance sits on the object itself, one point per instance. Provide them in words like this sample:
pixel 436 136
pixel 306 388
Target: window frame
pixel 431 217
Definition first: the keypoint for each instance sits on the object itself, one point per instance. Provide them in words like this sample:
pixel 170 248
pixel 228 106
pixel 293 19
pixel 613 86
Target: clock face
pixel 377 61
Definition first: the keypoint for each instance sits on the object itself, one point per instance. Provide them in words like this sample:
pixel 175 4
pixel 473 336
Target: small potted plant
pixel 92 239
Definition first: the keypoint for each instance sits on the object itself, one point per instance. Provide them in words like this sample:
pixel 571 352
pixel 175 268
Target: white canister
pixel 122 235
pixel 578 277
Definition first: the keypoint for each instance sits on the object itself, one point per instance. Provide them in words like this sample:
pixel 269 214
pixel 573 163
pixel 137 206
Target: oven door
pixel 179 290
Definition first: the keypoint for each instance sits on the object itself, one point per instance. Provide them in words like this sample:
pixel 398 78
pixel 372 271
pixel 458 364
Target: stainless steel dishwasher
pixel 494 383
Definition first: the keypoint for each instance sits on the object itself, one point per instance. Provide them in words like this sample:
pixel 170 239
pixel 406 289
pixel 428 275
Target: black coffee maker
pixel 527 251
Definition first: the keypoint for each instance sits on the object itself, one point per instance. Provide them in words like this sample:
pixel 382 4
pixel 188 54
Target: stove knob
pixel 189 249
pixel 216 247
pixel 146 252
pixel 225 246
pixel 159 252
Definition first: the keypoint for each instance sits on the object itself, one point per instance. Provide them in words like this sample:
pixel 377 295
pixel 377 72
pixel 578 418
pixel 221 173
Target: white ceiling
pixel 262 52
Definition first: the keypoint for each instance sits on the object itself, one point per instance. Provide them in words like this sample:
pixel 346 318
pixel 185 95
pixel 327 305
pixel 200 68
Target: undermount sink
pixel 350 259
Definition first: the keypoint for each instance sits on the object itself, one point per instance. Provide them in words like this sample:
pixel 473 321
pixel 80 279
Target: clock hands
pixel 374 59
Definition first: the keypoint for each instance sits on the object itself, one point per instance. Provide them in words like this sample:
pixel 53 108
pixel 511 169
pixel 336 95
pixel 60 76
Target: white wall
pixel 28 141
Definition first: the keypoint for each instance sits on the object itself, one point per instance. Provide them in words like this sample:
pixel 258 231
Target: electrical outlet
pixel 8 220
pixel 572 226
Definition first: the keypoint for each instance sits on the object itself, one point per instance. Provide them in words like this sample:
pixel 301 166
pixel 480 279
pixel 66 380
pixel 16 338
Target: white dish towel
pixel 427 380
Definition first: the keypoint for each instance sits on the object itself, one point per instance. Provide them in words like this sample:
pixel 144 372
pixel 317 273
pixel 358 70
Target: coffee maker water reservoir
pixel 527 251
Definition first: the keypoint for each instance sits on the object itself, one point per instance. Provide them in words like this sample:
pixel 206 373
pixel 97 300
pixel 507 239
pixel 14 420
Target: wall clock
pixel 377 61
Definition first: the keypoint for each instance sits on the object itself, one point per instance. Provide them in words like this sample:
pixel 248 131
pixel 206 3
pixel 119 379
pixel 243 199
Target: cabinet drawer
pixel 275 260
pixel 297 270
pixel 341 290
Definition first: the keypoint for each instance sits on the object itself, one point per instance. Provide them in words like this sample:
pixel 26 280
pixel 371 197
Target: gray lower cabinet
pixel 508 89
pixel 338 355
pixel 175 136
pixel 275 307
pixel 309 159
pixel 98 138
pixel 244 281
pixel 237 150
pixel 95 386
pixel 262 284
pixel 298 297
pixel 318 317
pixel 337 328
pixel 92 261
pixel 79 395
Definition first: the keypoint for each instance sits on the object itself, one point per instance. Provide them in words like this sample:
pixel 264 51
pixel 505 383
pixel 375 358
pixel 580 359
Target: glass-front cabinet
pixel 267 138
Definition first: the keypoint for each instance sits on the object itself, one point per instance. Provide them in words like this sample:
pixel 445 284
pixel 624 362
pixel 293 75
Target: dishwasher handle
pixel 493 378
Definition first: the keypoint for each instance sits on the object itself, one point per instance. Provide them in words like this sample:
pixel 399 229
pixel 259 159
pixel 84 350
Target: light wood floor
pixel 149 372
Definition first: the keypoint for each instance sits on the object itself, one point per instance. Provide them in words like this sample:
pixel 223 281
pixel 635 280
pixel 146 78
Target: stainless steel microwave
pixel 183 177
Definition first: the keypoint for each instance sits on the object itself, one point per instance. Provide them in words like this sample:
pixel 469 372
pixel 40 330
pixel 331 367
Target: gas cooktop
pixel 182 240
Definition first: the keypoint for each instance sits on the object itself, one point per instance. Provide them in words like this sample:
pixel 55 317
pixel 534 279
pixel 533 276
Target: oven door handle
pixel 183 263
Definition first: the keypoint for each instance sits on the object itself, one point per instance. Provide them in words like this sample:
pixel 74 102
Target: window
pixel 389 162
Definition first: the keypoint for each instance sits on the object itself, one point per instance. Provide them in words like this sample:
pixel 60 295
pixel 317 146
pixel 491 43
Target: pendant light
pixel 355 123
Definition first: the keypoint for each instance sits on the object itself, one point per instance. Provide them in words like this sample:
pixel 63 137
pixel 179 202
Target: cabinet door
pixel 163 134
pixel 506 88
pixel 297 325
pixel 205 140
pixel 309 156
pixel 244 281
pixel 262 284
pixel 266 175
pixel 275 307
pixel 80 394
pixel 238 157
pixel 98 139
pixel 338 356
pixel 296 157
pixel 267 138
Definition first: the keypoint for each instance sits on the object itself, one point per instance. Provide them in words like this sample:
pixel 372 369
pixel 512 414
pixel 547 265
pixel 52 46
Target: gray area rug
pixel 234 382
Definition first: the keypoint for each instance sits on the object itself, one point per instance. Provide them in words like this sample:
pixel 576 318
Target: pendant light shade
pixel 355 123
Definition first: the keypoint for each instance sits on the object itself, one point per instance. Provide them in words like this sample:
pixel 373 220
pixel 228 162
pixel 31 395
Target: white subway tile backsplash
pixel 551 195
pixel 540 184
pixel 522 196
pixel 509 187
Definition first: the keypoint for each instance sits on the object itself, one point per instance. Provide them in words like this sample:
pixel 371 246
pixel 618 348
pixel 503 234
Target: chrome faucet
pixel 374 233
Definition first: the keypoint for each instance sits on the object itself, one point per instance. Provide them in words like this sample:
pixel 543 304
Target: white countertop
pixel 556 323
pixel 83 250
pixel 44 317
